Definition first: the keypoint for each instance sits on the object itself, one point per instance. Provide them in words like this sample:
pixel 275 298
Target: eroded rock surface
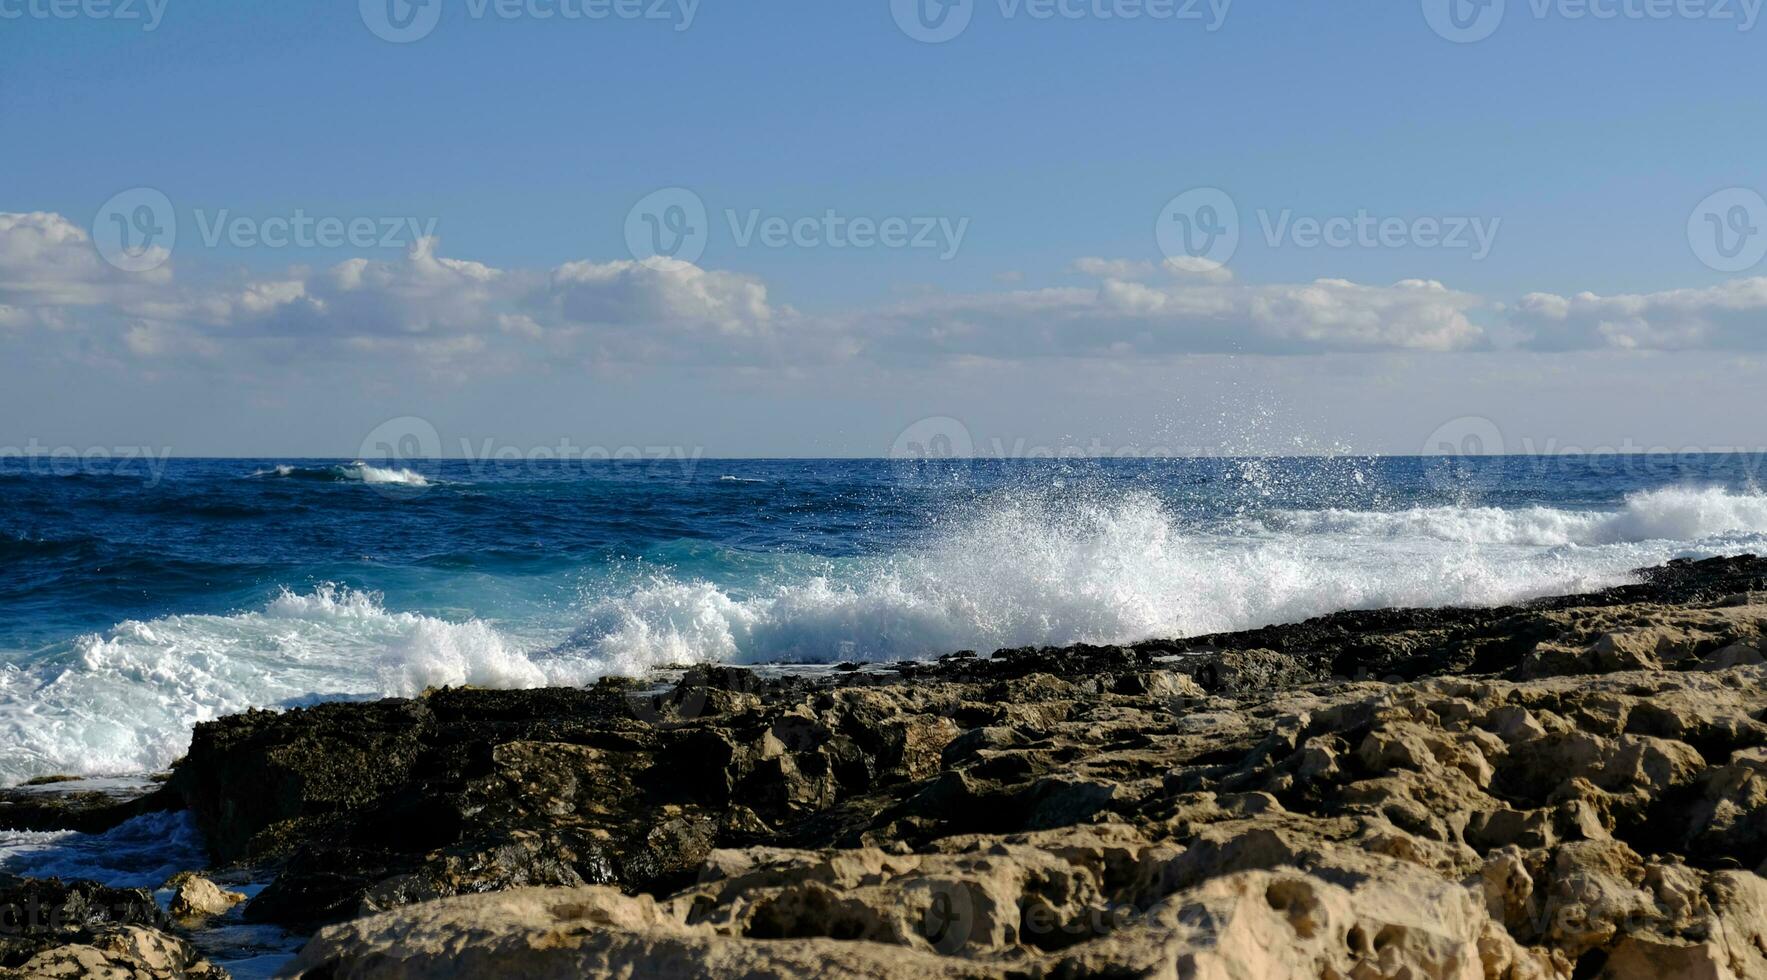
pixel 1576 788
pixel 51 928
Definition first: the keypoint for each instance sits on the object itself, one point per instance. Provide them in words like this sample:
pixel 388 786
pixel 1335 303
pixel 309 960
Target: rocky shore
pixel 1574 788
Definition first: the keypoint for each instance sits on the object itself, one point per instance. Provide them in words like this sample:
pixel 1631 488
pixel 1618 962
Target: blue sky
pixel 1584 146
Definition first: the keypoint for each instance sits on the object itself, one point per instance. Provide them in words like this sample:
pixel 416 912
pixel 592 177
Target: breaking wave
pixel 1008 570
pixel 357 472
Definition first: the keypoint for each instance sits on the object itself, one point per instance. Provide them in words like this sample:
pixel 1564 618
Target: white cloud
pixel 466 315
pixel 661 291
pixel 1137 270
pixel 1729 316
pixel 1126 318
pixel 1198 267
pixel 1114 268
pixel 48 261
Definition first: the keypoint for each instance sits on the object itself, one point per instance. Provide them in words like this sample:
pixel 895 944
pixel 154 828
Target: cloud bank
pixel 453 314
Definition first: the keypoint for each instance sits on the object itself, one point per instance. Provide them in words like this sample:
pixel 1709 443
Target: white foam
pixel 1047 570
pixel 140 853
pixel 357 472
pixel 384 475
pixel 1057 567
pixel 1670 514
pixel 124 701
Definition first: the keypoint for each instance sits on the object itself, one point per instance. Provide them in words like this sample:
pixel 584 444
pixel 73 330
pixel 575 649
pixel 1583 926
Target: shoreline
pixel 1348 765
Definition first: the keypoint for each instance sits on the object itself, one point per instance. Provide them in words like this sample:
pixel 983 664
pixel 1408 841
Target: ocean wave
pixel 124 701
pixel 139 853
pixel 1047 569
pixel 357 472
pixel 1669 514
pixel 21 548
pixel 1028 568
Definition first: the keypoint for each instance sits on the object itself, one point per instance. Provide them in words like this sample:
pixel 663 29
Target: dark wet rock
pixel 66 803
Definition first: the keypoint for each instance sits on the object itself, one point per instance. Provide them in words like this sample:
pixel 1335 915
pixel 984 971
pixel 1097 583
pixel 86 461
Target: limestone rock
pixel 125 953
pixel 1572 788
pixel 196 897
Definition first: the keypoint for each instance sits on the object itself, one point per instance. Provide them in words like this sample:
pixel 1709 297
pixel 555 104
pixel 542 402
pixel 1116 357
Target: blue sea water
pixel 137 599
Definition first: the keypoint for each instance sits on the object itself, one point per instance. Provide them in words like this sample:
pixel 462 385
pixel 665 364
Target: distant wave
pixel 357 472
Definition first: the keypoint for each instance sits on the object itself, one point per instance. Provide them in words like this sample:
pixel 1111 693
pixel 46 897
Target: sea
pixel 139 598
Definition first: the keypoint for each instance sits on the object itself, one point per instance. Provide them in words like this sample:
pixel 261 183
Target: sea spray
pixel 205 595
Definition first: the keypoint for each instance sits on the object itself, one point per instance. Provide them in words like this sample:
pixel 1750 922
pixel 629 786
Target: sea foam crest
pixel 1046 569
pixel 1025 569
pixel 1670 514
pixel 124 701
pixel 356 472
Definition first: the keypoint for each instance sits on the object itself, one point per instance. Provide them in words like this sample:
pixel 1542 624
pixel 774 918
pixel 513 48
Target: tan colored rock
pixel 990 910
pixel 124 953
pixel 197 897
pixel 1593 810
pixel 1734 655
